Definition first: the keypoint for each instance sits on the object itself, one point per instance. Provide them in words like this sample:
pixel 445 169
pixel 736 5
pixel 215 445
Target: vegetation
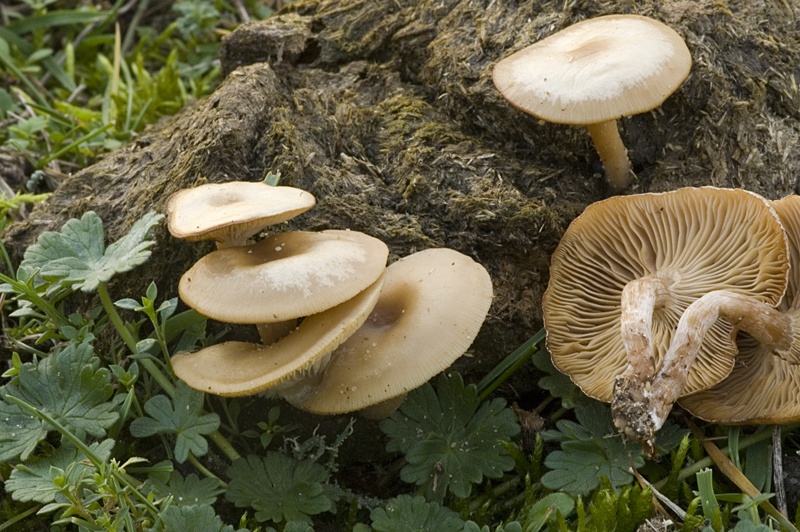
pixel 97 434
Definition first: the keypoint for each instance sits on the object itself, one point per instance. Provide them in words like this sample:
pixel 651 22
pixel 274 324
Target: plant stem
pixel 20 517
pixel 151 368
pixel 204 470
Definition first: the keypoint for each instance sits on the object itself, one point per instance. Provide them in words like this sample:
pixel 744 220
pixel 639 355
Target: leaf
pixel 77 254
pixel 589 450
pixel 281 488
pixel 451 439
pixel 70 387
pixel 182 419
pixel 558 384
pixel 200 518
pixel 189 491
pixel 413 514
pixel 33 481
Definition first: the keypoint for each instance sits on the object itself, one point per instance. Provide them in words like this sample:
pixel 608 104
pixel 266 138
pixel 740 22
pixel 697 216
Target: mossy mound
pixel 386 112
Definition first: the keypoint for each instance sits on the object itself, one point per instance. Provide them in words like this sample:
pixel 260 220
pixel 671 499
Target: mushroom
pixel 230 213
pixel 627 269
pixel 763 385
pixel 594 72
pixel 283 277
pixel 241 368
pixel 430 310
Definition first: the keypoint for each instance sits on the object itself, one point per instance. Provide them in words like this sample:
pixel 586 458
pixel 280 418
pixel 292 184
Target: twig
pixel 777 471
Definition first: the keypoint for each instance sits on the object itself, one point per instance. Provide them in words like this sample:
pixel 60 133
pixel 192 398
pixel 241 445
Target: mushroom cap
pixel 284 276
pixel 763 385
pixel 432 306
pixel 241 368
pixel 230 213
pixel 698 239
pixel 596 70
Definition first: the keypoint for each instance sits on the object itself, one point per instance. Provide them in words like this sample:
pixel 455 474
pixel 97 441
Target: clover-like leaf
pixel 279 487
pixel 406 514
pixel 69 386
pixel 199 518
pixel 180 416
pixel 33 481
pixel 77 255
pixel 451 440
pixel 189 491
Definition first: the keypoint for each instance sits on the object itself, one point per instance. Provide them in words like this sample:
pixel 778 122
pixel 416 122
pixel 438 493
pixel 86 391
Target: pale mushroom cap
pixel 432 306
pixel 284 276
pixel 763 387
pixel 241 368
pixel 699 239
pixel 596 70
pixel 230 213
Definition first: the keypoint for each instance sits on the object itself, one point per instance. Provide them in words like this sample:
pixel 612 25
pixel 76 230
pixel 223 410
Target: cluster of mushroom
pixel 595 72
pixel 648 293
pixel 340 331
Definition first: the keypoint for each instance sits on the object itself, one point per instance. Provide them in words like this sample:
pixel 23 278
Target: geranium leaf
pixel 77 255
pixel 189 491
pixel 180 416
pixel 200 518
pixel 281 488
pixel 412 514
pixel 33 481
pixel 451 439
pixel 70 387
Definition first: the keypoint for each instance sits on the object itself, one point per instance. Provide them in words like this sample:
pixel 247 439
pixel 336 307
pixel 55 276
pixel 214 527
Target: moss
pixel 386 112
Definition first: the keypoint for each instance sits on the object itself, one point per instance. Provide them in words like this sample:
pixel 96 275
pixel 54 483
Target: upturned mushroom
pixel 230 213
pixel 627 269
pixel 763 385
pixel 431 308
pixel 595 72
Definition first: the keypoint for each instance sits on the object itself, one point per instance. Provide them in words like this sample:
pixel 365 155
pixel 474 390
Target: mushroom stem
pixel 272 332
pixel 640 298
pixel 640 419
pixel 613 154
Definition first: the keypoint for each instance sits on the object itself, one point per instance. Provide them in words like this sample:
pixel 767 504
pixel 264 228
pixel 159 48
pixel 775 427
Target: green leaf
pixel 181 417
pixel 451 439
pixel 281 488
pixel 77 254
pixel 558 384
pixel 415 514
pixel 187 491
pixel 589 449
pixel 33 481
pixel 200 518
pixel 70 387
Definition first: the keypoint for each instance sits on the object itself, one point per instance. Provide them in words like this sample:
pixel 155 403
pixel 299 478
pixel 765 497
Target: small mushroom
pixel 230 213
pixel 432 306
pixel 284 276
pixel 595 72
pixel 627 269
pixel 763 385
pixel 241 368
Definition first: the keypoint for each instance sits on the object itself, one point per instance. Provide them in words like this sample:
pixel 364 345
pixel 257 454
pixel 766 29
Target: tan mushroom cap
pixel 230 213
pixel 241 368
pixel 432 306
pixel 696 239
pixel 597 70
pixel 764 386
pixel 284 276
